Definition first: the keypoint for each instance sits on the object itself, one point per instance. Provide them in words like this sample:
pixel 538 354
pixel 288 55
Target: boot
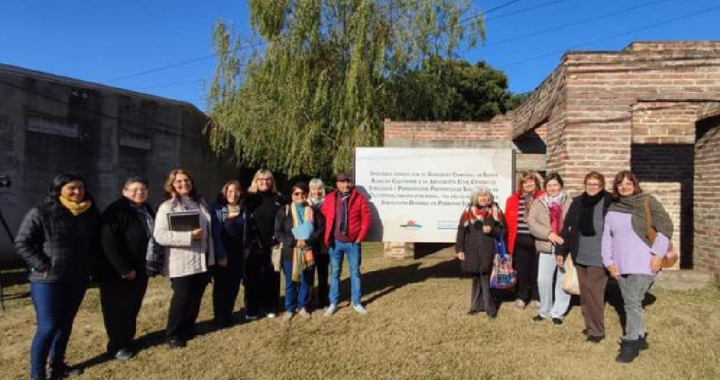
pixel 628 351
pixel 642 343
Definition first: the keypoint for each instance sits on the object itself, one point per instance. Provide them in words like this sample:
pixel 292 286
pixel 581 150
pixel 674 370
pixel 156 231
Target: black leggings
pixel 525 261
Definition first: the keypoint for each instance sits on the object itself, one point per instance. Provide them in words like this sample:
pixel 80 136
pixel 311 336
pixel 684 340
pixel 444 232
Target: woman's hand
pixel 222 262
pixel 487 230
pixel 301 243
pixel 555 239
pixel 614 272
pixel 560 260
pixel 655 264
pixel 198 234
pixel 461 256
pixel 129 276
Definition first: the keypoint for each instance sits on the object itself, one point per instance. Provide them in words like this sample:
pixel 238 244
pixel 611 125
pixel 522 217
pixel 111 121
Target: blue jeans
pixel 297 294
pixel 354 253
pixel 547 269
pixel 56 305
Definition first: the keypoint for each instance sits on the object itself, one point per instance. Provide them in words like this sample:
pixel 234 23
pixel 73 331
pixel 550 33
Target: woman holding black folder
pixel 188 253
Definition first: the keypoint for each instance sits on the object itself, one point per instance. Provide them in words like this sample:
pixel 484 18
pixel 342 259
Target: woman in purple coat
pixel 631 257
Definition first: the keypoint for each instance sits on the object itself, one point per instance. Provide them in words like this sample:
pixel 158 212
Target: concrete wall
pixel 51 124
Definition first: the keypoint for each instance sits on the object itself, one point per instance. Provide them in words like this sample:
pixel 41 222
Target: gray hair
pixel 134 179
pixel 481 190
pixel 317 183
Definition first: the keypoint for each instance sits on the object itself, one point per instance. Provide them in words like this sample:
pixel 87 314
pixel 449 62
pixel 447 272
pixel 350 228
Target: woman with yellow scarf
pixel 297 228
pixel 58 240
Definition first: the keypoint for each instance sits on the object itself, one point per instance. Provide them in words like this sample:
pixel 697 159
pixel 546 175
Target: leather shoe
pixel 594 339
pixel 176 344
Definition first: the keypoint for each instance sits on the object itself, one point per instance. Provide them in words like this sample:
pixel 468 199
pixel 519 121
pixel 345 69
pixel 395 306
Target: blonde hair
pixel 317 183
pixel 265 173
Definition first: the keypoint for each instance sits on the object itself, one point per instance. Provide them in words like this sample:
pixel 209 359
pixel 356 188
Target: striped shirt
pixel 522 224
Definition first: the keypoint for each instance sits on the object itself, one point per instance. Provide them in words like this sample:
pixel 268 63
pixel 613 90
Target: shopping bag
pixel 571 284
pixel 503 275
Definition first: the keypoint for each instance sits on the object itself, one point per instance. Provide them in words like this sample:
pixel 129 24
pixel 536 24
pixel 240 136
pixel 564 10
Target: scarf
pixel 587 212
pixel 343 217
pixel 473 214
pixel 529 198
pixel 316 202
pixel 154 255
pixel 301 213
pixel 233 211
pixel 555 209
pixel 76 208
pixel 635 205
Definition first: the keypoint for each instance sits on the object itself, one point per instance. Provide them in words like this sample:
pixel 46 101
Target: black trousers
pixel 226 286
pixel 322 263
pixel 262 284
pixel 525 261
pixel 121 301
pixel 480 296
pixel 185 305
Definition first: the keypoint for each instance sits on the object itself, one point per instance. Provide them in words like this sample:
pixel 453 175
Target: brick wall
pixel 611 111
pixel 707 195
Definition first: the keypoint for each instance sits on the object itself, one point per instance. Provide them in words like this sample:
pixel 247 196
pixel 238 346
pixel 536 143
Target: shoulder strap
pixel 648 214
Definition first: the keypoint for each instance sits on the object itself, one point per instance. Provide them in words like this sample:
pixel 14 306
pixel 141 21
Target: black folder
pixel 184 220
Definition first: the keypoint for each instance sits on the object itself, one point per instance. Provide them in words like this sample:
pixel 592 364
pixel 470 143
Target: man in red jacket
pixel 347 220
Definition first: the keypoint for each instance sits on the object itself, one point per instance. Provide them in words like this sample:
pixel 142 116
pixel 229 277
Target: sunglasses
pixel 299 193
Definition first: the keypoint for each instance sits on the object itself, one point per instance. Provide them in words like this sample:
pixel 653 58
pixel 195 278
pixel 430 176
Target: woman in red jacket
pixel 519 241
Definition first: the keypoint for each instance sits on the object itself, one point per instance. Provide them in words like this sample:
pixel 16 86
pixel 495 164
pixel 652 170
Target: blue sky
pixel 102 40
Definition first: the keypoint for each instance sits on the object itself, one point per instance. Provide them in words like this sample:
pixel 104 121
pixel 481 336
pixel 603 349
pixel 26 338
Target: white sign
pixel 417 195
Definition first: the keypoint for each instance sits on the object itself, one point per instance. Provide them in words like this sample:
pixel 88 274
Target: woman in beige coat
pixel 545 222
pixel 187 256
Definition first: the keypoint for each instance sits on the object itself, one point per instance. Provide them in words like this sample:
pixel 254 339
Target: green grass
pixel 416 328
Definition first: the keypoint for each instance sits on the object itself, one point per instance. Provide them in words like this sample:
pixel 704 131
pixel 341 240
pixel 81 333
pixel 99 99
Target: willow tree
pixel 315 87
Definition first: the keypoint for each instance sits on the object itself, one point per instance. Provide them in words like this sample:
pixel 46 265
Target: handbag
pixel 571 283
pixel 276 256
pixel 503 275
pixel 671 257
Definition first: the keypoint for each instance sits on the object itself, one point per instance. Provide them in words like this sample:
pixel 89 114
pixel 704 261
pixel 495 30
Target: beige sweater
pixel 539 223
pixel 183 255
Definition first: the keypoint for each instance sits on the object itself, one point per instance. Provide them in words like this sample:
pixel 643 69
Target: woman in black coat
pixel 582 231
pixel 126 238
pixel 59 241
pixel 480 224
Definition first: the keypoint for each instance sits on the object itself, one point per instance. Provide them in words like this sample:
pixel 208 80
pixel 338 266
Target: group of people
pixel 66 242
pixel 605 234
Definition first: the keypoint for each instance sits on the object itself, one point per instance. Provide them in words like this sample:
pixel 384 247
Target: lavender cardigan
pixel 622 247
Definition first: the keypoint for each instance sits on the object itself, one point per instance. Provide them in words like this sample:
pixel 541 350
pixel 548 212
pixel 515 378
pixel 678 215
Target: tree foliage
pixel 449 89
pixel 318 86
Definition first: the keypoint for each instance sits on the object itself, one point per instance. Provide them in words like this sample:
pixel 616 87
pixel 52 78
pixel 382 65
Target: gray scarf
pixel 635 205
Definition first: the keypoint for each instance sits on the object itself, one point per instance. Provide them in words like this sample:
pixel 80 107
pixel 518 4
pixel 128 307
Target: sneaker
pixel 538 318
pixel 557 322
pixel 251 317
pixel 124 354
pixel 62 371
pixel 305 314
pixel 176 344
pixel 330 310
pixel 360 309
pixel 287 316
pixel 520 305
pixel 271 315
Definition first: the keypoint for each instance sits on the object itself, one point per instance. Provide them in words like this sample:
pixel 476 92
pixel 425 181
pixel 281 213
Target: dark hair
pixel 300 186
pixel 620 177
pixel 170 189
pixel 222 195
pixel 135 179
pixel 554 176
pixel 52 197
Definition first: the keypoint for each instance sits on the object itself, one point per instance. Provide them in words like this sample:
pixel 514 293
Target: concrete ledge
pixel 681 280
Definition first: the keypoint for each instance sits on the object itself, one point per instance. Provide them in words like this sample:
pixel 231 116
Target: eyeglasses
pixel 299 193
pixel 138 191
pixel 591 184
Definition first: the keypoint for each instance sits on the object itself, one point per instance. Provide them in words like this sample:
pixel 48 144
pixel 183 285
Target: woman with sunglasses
pixel 297 252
